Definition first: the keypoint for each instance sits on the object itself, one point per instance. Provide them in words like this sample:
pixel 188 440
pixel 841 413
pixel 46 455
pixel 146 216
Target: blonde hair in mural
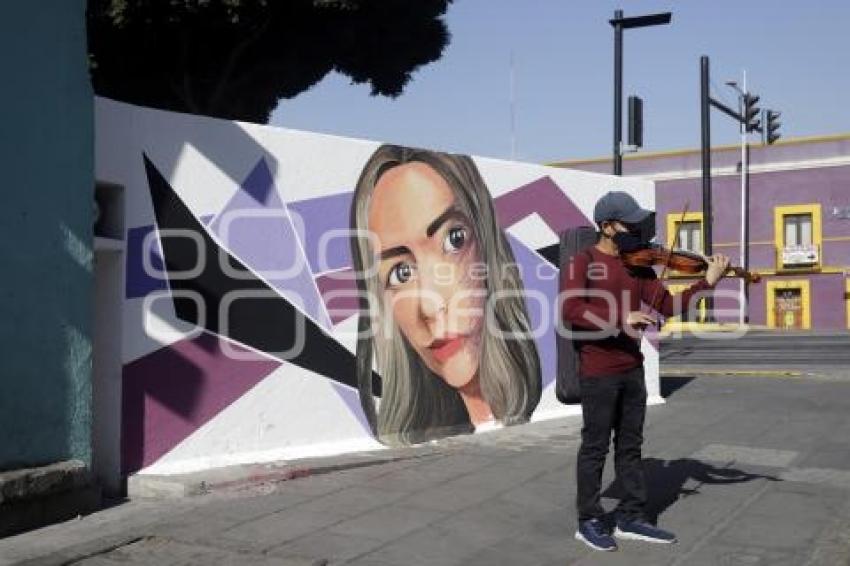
pixel 416 404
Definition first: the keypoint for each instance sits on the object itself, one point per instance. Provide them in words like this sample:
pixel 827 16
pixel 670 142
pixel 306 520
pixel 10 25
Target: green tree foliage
pixel 236 59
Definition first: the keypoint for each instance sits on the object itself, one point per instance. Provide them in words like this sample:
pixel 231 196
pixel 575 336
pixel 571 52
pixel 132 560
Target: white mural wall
pixel 238 239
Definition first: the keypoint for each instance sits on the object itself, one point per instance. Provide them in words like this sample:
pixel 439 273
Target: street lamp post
pixel 621 23
pixel 743 317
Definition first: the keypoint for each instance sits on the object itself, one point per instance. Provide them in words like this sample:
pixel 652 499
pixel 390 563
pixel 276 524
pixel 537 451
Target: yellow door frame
pixel 805 299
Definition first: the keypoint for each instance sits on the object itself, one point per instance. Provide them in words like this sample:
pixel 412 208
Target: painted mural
pixel 290 294
pixel 440 262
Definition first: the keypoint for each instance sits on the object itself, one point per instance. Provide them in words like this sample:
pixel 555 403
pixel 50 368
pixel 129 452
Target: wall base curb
pixel 35 497
pixel 160 486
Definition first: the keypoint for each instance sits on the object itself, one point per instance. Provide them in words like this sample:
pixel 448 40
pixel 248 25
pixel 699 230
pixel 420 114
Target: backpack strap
pixel 589 261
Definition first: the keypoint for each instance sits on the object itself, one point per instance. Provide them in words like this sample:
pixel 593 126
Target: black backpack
pixel 573 241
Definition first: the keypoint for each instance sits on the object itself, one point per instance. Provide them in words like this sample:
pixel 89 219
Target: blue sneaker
pixel 641 530
pixel 592 533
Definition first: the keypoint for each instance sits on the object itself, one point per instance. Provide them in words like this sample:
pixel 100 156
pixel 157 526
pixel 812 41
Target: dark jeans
pixel 618 403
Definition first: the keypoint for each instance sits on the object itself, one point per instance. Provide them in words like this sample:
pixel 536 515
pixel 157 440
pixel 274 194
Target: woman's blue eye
pixel 455 239
pixel 400 274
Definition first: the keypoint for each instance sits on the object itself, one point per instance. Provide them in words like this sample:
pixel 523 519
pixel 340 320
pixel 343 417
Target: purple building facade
pixel 799 224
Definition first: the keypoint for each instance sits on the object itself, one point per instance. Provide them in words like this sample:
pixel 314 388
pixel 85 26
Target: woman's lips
pixel 445 348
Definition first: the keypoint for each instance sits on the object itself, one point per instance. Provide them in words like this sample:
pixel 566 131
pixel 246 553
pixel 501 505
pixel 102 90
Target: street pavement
pixel 746 470
pixel 799 350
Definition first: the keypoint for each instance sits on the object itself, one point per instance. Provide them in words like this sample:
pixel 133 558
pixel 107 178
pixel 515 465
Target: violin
pixel 679 260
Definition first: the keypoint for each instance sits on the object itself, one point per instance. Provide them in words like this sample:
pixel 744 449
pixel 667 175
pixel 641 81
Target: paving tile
pixel 334 547
pixel 434 544
pixel 164 552
pixel 278 528
pixel 742 455
pixel 387 523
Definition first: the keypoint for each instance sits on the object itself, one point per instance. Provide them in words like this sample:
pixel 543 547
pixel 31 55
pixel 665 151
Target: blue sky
pixel 796 54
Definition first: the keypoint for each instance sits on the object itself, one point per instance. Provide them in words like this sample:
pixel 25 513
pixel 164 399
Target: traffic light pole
pixel 618 92
pixel 705 115
pixel 620 23
pixel 743 317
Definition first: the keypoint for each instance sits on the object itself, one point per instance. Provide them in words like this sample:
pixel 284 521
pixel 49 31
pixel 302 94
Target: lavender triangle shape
pixel 255 226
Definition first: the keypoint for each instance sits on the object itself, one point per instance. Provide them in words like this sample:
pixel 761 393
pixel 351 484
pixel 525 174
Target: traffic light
pixel 751 112
pixel 770 126
pixel 635 137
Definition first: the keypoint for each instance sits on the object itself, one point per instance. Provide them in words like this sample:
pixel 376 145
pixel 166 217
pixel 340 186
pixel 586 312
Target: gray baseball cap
pixel 619 205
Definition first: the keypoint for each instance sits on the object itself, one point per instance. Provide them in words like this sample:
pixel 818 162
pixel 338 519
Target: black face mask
pixel 645 229
pixel 628 242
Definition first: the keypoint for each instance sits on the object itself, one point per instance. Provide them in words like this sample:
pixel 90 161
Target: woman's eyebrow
pixel 450 212
pixel 392 252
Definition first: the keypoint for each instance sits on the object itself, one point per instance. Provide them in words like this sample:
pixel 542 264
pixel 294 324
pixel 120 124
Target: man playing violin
pixel 603 304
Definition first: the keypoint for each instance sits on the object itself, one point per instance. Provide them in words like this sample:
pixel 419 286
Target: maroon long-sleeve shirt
pixel 583 280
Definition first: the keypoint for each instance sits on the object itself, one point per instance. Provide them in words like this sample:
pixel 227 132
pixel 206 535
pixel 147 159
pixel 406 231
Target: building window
pixel 690 236
pixel 684 232
pixel 798 230
pixel 798 236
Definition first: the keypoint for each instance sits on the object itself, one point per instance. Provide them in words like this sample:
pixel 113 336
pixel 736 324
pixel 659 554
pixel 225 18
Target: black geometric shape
pixel 267 322
pixel 551 254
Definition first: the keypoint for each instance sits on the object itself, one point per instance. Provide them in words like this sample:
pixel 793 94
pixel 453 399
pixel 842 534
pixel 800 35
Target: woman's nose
pixel 433 294
pixel 432 304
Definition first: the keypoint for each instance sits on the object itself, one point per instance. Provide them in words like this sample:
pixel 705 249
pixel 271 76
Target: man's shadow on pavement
pixel 666 479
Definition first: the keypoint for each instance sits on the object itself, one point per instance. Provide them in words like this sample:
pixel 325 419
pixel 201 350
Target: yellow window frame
pixel 805 299
pixel 675 218
pixel 779 214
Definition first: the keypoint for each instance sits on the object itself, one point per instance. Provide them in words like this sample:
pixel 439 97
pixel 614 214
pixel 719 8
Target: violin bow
pixel 654 304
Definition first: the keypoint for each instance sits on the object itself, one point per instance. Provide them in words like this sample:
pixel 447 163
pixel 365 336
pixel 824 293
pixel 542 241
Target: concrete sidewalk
pixel 746 470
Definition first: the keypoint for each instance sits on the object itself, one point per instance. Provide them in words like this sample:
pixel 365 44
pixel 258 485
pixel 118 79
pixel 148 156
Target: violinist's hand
pixel 638 319
pixel 718 264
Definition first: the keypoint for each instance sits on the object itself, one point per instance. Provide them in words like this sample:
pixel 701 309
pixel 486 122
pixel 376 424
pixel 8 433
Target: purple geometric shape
pixel 138 282
pixel 169 394
pixel 338 290
pixel 539 276
pixel 351 398
pixel 319 216
pixel 256 227
pixel 260 187
pixel 543 197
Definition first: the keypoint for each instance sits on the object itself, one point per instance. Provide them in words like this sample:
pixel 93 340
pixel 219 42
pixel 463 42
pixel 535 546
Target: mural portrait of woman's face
pixel 430 257
pixel 430 270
